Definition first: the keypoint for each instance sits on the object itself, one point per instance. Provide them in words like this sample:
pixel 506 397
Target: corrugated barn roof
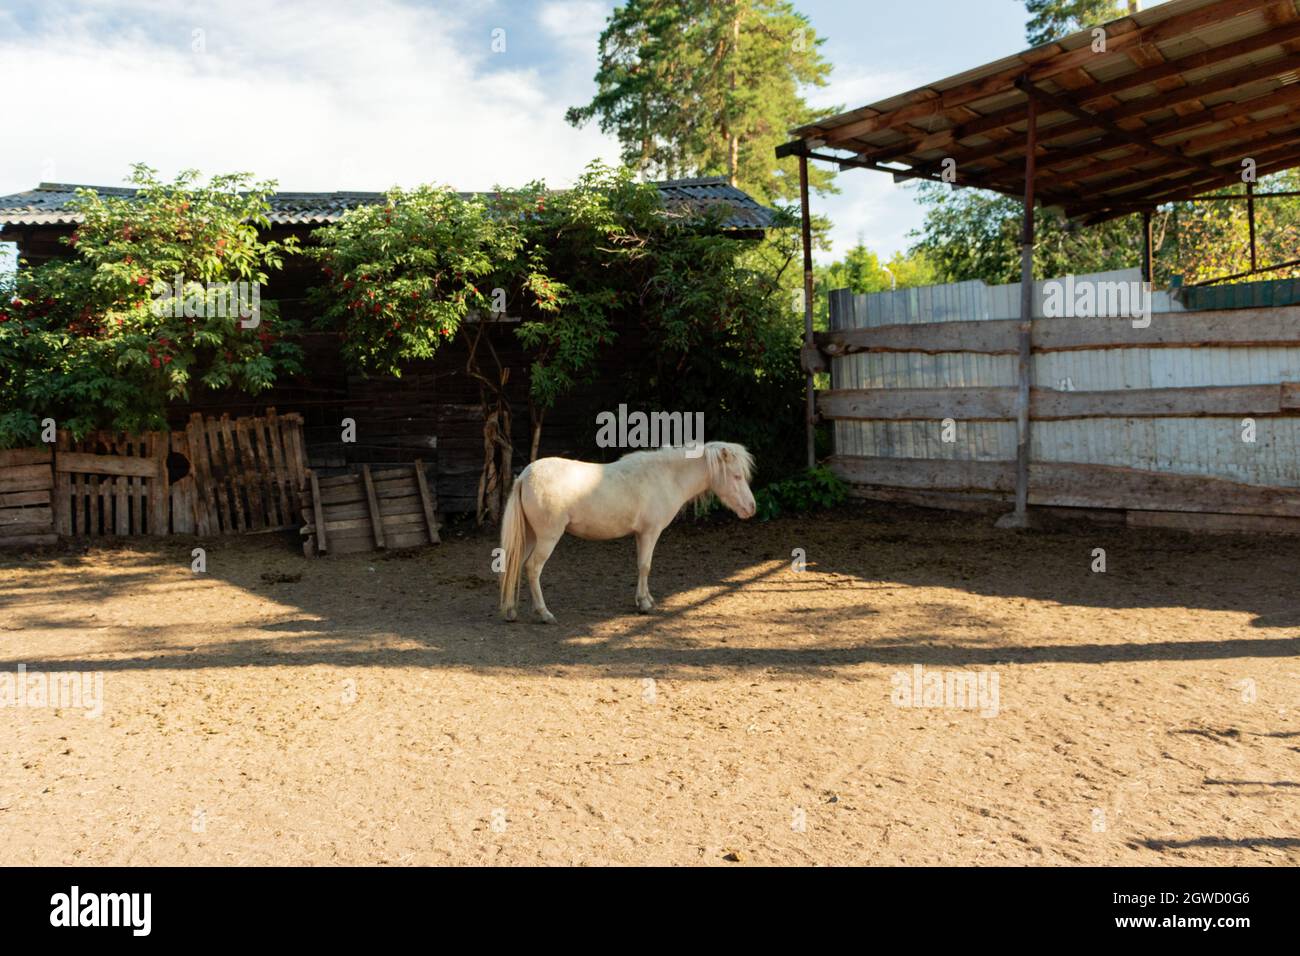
pixel 47 204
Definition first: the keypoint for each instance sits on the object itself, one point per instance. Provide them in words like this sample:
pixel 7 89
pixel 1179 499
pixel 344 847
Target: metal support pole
pixel 1025 338
pixel 1250 214
pixel 1148 249
pixel 810 385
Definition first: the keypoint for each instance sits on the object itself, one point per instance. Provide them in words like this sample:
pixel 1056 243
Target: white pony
pixel 639 494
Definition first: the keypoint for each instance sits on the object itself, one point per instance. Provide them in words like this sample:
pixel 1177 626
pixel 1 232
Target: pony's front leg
pixel 645 550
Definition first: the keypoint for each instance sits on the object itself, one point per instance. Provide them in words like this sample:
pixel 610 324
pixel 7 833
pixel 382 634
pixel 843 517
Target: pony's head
pixel 730 468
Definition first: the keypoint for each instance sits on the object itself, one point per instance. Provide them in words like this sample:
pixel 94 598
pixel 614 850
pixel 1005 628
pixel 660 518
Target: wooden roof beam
pixel 1184 124
pixel 1243 133
pixel 1284 155
pixel 1141 77
pixel 1279 96
pixel 1100 122
pixel 1264 151
pixel 1103 210
pixel 1118 41
pixel 1130 108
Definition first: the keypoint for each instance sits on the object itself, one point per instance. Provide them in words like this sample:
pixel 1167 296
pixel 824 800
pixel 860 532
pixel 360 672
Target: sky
pixel 364 95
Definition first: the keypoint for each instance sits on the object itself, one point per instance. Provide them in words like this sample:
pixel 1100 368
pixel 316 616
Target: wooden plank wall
pixel 1241 501
pixel 431 413
pixel 26 497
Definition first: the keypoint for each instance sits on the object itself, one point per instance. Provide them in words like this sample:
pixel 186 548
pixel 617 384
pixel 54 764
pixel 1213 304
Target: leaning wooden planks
pixel 393 508
pixel 26 497
pixel 249 473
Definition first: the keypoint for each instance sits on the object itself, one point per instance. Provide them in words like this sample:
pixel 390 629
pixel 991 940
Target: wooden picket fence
pixel 111 484
pixel 232 476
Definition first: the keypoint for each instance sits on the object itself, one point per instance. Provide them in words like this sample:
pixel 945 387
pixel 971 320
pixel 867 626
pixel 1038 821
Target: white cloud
pixel 332 95
pixel 341 95
pixel 870 207
pixel 577 24
pixel 852 87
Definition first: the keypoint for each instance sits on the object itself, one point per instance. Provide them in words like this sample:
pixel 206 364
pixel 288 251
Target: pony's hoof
pixel 545 617
pixel 645 605
pixel 509 614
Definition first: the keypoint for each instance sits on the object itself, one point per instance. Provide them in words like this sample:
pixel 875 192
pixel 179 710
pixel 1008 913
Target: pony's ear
pixel 725 454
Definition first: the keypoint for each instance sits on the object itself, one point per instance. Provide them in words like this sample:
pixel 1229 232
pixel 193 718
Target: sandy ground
pixel 374 711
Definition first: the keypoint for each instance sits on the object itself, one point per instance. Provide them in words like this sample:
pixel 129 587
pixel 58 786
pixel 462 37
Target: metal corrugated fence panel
pixel 1189 446
pixel 1243 295
pixel 1194 446
pixel 1102 369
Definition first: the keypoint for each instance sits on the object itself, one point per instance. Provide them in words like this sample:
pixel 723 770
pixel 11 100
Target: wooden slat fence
pixel 112 484
pixel 231 476
pixel 1118 432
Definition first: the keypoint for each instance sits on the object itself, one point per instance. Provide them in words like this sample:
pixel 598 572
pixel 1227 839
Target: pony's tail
pixel 513 526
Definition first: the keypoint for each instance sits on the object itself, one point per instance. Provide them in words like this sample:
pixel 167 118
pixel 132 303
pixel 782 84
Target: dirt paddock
pixel 374 711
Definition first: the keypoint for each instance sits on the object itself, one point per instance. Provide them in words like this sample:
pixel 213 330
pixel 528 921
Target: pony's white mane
pixel 713 452
pixel 713 455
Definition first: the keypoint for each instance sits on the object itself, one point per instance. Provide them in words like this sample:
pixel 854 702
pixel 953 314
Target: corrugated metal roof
pixel 1200 84
pixel 701 194
pixel 47 204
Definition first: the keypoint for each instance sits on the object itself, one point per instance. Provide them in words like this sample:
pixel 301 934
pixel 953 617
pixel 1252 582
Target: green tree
pixel 702 87
pixel 861 271
pixel 93 340
pixel 587 270
pixel 973 234
pixel 401 277
pixel 1052 19
pixel 1208 240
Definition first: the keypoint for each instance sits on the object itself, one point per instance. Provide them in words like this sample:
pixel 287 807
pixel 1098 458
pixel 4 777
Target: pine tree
pixel 708 87
pixel 1052 19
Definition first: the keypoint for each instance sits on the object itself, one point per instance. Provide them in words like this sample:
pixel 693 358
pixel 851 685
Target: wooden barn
pixel 432 413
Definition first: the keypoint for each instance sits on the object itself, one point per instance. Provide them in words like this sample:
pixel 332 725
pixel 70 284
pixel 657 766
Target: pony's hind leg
pixel 541 551
pixel 512 609
pixel 645 549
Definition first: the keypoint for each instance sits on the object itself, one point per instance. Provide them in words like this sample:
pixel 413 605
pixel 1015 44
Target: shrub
pixel 79 340
pixel 812 490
